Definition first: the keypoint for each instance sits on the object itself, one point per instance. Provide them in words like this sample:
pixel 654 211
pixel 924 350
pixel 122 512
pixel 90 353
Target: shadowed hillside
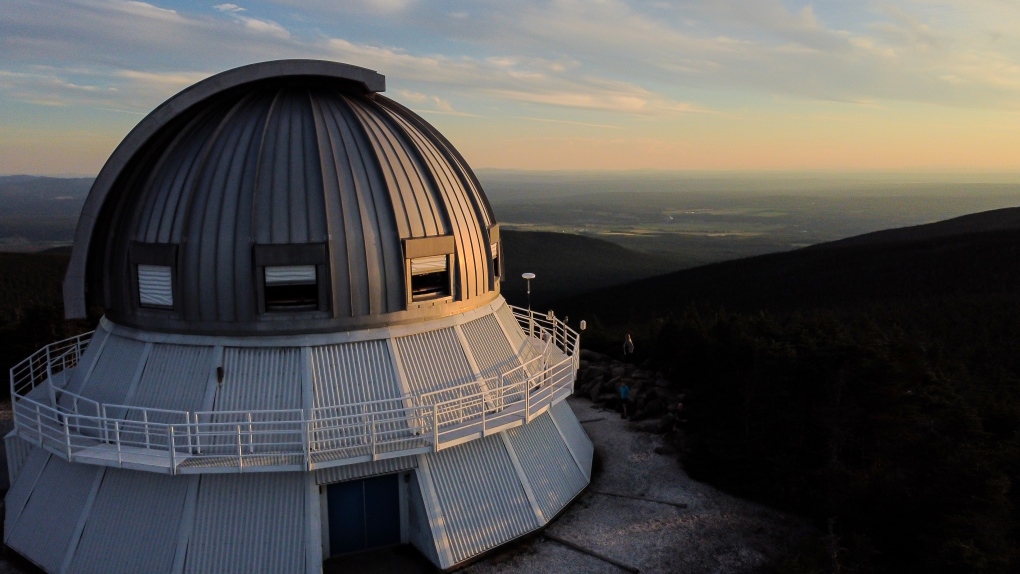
pixel 871 385
pixel 567 264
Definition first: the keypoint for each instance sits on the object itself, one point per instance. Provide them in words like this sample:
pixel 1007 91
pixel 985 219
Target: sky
pixel 747 85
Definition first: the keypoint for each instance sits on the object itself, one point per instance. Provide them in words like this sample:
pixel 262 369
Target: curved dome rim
pixel 75 304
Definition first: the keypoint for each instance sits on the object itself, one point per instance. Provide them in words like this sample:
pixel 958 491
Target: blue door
pixel 363 514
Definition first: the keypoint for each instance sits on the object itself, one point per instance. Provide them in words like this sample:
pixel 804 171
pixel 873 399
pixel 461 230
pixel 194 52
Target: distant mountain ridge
pixel 973 255
pixel 994 220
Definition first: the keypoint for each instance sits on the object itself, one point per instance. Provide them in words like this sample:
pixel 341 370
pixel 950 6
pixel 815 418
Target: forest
pixel 873 387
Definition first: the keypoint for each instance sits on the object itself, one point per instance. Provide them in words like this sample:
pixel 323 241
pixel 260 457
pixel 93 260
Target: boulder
pixel 592 356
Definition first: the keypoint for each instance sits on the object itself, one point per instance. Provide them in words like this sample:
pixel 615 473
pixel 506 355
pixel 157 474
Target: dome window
pixel 497 258
pixel 291 278
pixel 429 268
pixel 153 274
pixel 291 288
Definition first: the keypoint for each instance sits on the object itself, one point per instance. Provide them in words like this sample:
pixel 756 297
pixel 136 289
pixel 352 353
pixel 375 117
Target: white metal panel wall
pixel 433 361
pixel 577 440
pixel 132 525
pixel 419 529
pixel 518 338
pixel 552 473
pixel 111 379
pixel 260 378
pixel 364 469
pixel 77 377
pixel 175 378
pixel 21 489
pixel 481 496
pixel 353 373
pixel 17 451
pixel 249 523
pixel 46 527
pixel 490 348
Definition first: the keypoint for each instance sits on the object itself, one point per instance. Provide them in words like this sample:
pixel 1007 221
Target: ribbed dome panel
pixel 292 161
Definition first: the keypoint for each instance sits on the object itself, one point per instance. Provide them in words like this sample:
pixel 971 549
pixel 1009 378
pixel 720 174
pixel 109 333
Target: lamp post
pixel 531 320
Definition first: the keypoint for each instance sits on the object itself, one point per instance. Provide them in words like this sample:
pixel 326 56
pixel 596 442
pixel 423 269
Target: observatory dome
pixel 283 197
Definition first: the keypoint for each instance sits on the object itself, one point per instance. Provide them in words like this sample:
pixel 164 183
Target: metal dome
pixel 283 173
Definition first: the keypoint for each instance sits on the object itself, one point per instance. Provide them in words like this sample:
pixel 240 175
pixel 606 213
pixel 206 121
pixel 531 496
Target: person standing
pixel 628 348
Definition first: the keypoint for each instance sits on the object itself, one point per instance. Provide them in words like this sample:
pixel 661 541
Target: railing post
pixel 106 430
pixel 527 403
pixel 250 448
pixel 49 377
pixel 38 424
pixel 435 428
pixel 240 457
pixel 145 421
pixel 116 433
pixel 173 450
pixel 67 442
pixel 306 441
pixel 198 436
pixel 373 435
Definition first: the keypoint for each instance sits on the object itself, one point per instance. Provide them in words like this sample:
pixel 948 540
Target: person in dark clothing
pixel 624 399
pixel 628 348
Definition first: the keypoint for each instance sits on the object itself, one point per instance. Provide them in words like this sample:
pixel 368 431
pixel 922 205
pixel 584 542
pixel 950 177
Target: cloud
pixel 228 8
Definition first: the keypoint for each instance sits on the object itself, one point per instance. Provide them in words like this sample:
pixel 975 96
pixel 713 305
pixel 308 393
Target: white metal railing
pixel 82 430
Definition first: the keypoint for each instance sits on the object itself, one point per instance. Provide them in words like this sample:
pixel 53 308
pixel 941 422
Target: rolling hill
pixel 974 255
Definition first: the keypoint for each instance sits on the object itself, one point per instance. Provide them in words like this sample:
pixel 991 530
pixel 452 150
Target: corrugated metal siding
pixel 577 439
pixel 260 378
pixel 418 525
pixel 353 373
pixel 175 378
pixel 364 469
pixel 74 382
pixel 44 530
pixel 257 378
pixel 21 489
pixel 111 379
pixel 433 361
pixel 249 523
pixel 490 347
pixel 482 498
pixel 518 338
pixel 132 525
pixel 551 471
pixel 17 451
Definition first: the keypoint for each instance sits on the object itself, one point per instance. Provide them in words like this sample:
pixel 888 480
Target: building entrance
pixel 363 514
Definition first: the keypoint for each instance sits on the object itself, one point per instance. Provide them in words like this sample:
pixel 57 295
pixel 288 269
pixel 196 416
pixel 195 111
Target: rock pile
pixel 653 398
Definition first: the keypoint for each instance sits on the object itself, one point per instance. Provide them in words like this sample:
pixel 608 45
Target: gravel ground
pixel 716 533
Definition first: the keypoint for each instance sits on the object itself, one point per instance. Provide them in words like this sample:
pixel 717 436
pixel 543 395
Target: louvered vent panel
pixel 290 275
pixel 155 286
pixel 430 264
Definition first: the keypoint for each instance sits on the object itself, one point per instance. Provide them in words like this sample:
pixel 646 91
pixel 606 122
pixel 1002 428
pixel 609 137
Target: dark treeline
pixel 874 389
pixel 31 308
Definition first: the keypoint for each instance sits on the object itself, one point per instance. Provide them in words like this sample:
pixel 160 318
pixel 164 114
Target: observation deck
pixel 81 430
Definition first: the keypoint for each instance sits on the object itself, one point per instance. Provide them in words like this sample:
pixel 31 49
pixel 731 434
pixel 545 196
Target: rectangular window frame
pixel 416 248
pixel 496 256
pixel 158 255
pixel 287 255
